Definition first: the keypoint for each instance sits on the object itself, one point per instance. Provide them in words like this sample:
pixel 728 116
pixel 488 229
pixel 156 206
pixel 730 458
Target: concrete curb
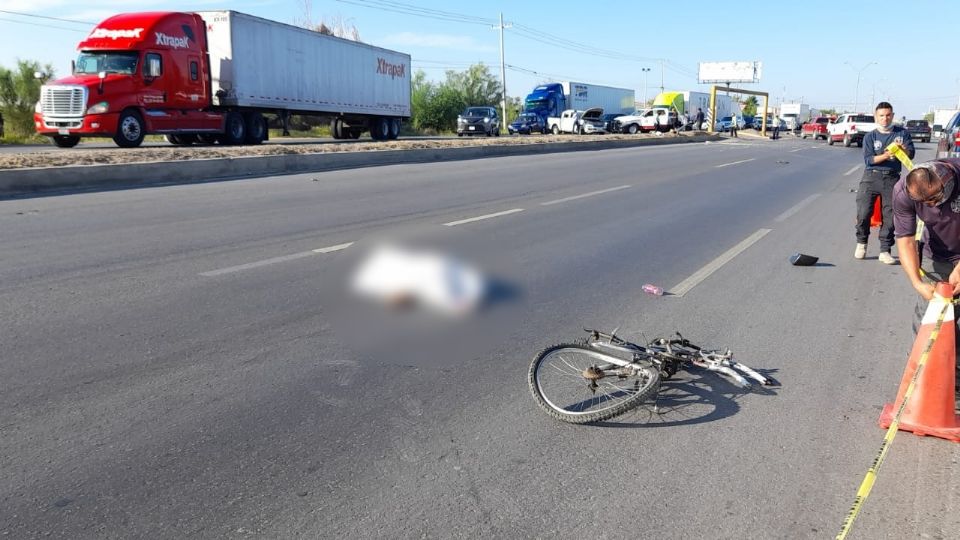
pixel 51 180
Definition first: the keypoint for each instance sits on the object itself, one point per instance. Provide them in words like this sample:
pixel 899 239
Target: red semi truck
pixel 211 76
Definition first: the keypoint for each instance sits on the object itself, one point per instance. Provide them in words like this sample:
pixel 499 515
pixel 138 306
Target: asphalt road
pixel 178 361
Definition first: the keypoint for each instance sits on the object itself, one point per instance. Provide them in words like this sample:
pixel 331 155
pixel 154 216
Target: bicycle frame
pixel 674 354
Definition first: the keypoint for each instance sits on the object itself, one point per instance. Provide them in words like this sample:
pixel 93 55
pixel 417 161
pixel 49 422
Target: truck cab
pixel 135 73
pixel 546 101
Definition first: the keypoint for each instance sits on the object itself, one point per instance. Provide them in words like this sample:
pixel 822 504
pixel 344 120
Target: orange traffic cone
pixel 930 409
pixel 877 218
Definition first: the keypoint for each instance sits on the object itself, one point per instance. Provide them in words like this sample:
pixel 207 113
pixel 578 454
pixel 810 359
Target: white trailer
pixel 266 65
pixel 583 96
pixel 941 117
pixel 794 114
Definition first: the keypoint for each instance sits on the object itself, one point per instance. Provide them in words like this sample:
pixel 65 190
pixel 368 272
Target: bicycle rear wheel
pixel 562 383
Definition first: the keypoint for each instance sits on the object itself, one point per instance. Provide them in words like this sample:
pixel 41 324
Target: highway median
pixel 64 171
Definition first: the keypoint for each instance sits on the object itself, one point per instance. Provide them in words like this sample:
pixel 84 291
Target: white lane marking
pixel 684 286
pixel 796 208
pixel 735 162
pixel 479 218
pixel 275 260
pixel 591 194
pixel 851 171
pixel 797 149
pixel 331 249
pixel 256 264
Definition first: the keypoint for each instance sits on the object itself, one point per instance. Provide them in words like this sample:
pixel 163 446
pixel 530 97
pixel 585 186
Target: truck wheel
pixel 355 133
pixel 632 129
pixel 187 140
pixel 256 128
pixel 130 130
pixel 829 140
pixel 234 132
pixel 66 141
pixel 846 140
pixel 394 128
pixel 803 135
pixel 380 130
pixel 336 128
pixel 207 138
pixel 556 129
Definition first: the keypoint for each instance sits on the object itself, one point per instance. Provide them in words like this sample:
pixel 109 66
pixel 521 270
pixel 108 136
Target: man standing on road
pixel 929 192
pixel 882 171
pixel 699 119
pixel 733 127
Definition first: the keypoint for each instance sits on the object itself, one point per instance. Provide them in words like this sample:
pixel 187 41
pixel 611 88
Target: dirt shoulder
pixel 59 157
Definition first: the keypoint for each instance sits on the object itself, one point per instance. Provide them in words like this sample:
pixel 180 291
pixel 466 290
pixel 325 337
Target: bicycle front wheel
pixel 577 384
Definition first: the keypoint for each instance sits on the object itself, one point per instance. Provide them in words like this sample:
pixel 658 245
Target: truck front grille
pixel 63 101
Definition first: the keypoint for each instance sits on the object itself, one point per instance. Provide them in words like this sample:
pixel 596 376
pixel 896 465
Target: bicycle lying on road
pixel 604 376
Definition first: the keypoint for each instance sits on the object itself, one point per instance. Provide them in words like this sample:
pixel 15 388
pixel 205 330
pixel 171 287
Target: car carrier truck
pixel 212 76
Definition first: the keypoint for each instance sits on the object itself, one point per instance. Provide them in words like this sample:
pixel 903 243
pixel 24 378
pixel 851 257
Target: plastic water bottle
pixel 652 289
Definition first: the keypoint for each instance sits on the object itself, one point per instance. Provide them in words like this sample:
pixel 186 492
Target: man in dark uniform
pixel 929 192
pixel 882 171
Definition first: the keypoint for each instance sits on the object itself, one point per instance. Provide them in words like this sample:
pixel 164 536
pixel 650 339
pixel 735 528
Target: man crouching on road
pixel 882 171
pixel 929 192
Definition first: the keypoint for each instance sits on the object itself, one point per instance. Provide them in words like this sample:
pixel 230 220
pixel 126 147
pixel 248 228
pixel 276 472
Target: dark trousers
pixel 875 184
pixel 936 271
pixel 733 131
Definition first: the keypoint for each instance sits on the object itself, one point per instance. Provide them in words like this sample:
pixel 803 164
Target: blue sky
pixel 812 50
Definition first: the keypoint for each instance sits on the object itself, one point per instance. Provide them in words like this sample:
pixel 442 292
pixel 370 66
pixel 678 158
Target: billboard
pixel 729 72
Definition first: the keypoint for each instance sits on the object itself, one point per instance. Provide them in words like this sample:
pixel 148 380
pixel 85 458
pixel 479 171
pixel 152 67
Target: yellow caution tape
pixel 901 156
pixel 871 476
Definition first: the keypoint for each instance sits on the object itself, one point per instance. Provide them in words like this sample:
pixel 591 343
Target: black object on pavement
pixel 799 259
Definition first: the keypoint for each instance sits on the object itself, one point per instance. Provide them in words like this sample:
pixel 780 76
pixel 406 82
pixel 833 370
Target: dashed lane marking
pixel 851 171
pixel 480 218
pixel 796 208
pixel 684 286
pixel 275 260
pixel 735 163
pixel 591 194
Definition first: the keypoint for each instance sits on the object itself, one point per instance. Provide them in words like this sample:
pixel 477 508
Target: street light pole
pixel 856 98
pixel 645 72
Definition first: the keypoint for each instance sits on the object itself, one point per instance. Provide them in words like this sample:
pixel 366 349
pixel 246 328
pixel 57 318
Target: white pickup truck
pixel 579 122
pixel 657 118
pixel 850 128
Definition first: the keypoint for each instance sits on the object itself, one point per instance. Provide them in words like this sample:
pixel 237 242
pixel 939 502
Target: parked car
pixel 816 128
pixel 610 122
pixel 850 128
pixel 919 130
pixel 724 123
pixel 949 144
pixel 478 120
pixel 591 121
pixel 526 124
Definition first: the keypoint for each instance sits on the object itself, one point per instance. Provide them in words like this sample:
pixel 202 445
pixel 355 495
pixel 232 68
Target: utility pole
pixel 856 96
pixel 661 75
pixel 503 76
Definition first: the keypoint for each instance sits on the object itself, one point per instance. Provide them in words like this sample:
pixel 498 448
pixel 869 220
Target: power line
pixel 43 25
pixel 397 7
pixel 45 17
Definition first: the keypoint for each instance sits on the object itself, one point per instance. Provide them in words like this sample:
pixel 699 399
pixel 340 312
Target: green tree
pixel 476 85
pixel 828 112
pixel 435 106
pixel 928 117
pixel 750 106
pixel 19 93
